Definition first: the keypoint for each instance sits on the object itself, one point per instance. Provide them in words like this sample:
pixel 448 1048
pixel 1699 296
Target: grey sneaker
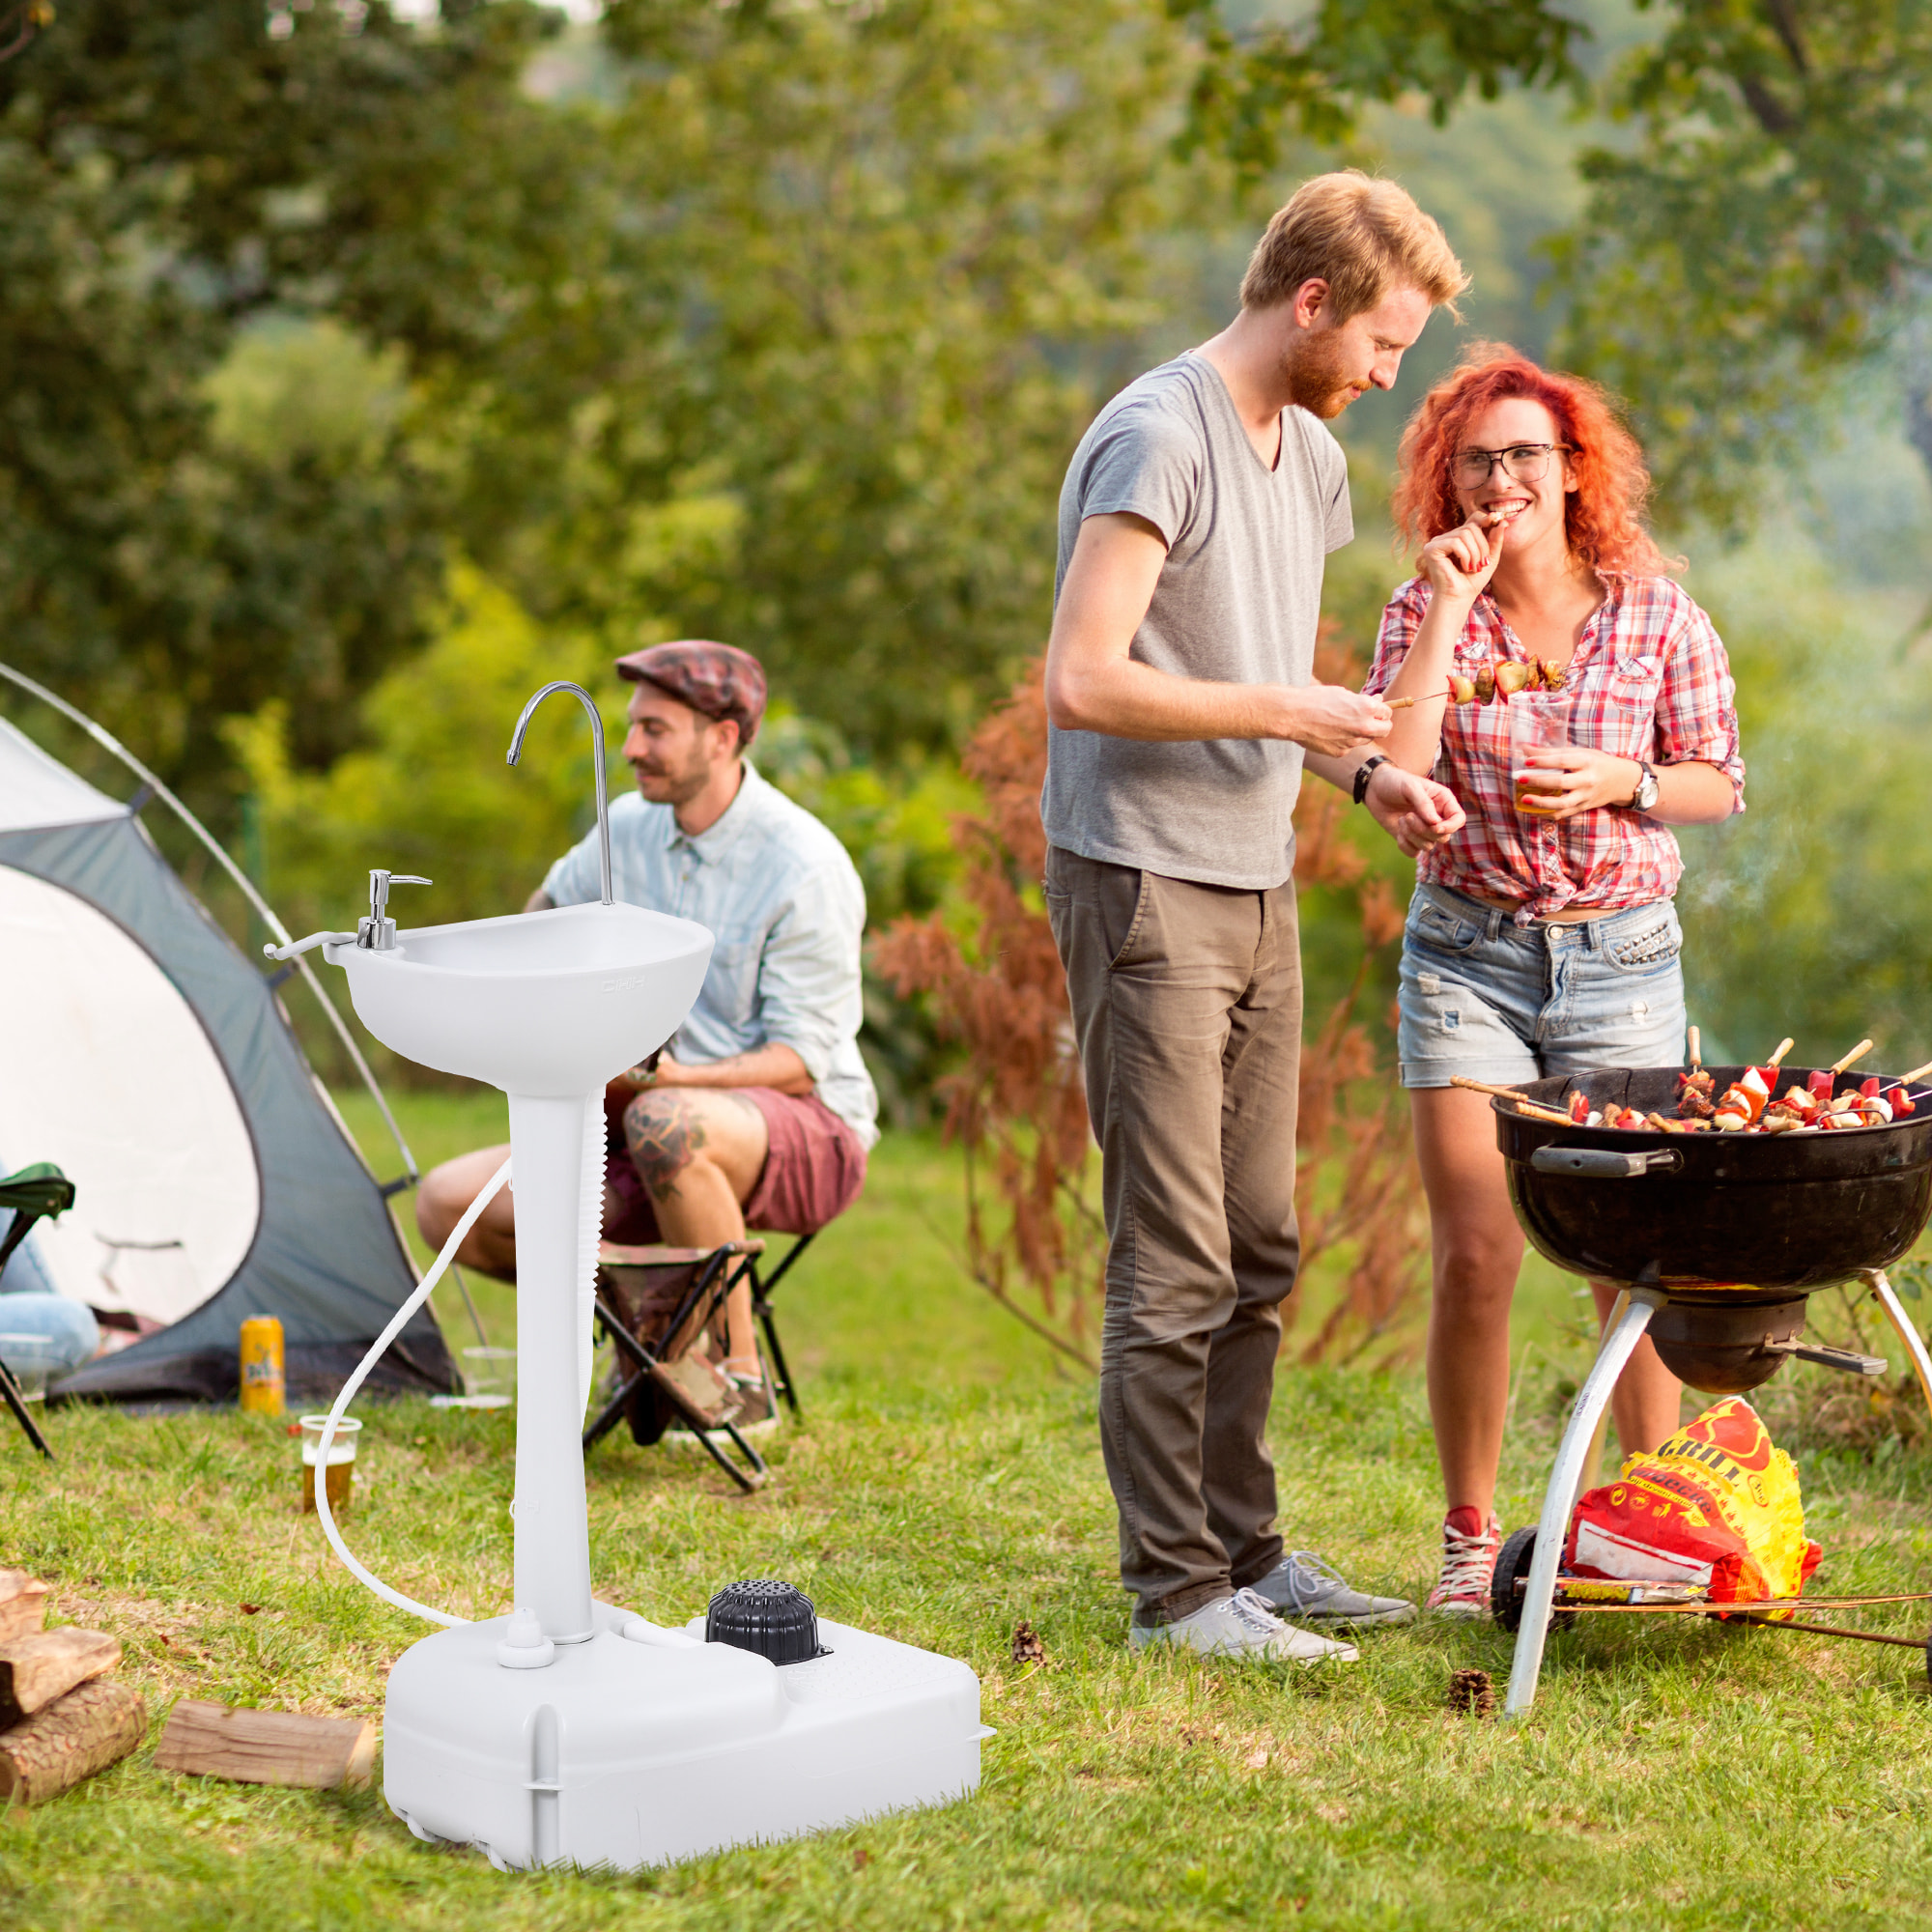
pixel 1302 1585
pixel 1240 1625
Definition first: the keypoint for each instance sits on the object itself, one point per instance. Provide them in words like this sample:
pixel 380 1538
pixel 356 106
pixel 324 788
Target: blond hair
pixel 1361 236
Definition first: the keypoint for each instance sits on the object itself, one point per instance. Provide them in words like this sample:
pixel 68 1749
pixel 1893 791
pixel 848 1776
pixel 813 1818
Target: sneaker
pixel 1240 1625
pixel 1302 1585
pixel 1469 1547
pixel 755 1416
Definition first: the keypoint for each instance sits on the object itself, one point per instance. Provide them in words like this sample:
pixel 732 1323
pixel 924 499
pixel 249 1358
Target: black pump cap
pixel 765 1616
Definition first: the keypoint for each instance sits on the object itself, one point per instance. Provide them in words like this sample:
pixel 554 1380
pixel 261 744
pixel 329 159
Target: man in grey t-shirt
pixel 1181 693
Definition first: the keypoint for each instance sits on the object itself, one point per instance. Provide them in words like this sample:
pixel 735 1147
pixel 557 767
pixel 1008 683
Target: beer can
pixel 261 1390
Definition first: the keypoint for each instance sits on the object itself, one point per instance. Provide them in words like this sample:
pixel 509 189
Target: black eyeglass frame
pixel 1493 457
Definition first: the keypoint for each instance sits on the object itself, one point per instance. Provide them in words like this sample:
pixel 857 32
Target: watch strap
pixel 1364 772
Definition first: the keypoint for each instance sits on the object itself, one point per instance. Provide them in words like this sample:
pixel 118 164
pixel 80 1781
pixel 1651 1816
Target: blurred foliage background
pixel 362 366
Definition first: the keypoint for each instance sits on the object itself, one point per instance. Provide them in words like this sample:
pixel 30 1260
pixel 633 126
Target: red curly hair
pixel 1603 515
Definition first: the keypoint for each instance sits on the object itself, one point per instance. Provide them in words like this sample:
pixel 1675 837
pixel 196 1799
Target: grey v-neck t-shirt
pixel 1238 601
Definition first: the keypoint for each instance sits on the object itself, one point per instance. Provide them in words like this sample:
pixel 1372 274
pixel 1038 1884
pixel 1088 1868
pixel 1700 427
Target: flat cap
pixel 718 680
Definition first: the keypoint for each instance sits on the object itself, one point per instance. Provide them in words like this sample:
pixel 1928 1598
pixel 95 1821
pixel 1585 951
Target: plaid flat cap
pixel 717 680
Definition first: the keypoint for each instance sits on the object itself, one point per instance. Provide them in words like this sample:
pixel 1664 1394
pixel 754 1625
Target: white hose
pixel 397 1322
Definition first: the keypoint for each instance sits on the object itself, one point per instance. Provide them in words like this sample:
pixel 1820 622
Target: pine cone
pixel 1027 1646
pixel 1471 1693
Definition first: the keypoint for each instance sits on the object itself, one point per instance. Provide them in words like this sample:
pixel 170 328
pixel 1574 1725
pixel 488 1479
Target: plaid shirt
pixel 1650 680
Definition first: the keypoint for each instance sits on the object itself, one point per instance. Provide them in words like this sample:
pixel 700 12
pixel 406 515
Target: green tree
pixel 1262 79
pixel 428 790
pixel 830 361
pixel 171 170
pixel 1769 233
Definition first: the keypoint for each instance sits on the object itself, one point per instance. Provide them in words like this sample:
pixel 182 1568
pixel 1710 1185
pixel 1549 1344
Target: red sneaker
pixel 1469 1547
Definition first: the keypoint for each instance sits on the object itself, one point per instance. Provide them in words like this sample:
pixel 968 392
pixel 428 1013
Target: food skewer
pixel 1916 1074
pixel 1523 1103
pixel 1858 1052
pixel 1784 1046
pixel 1696 1051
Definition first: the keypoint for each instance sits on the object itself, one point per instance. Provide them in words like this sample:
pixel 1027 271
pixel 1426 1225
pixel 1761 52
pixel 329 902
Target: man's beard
pixel 1314 368
pixel 676 788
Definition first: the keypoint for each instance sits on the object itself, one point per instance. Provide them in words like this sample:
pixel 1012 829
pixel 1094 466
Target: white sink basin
pixel 551 1002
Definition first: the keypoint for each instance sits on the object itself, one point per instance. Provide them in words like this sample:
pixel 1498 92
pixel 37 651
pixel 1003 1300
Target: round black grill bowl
pixel 1794 1211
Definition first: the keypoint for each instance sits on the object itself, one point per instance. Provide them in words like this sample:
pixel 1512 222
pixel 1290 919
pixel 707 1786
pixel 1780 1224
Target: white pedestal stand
pixel 628 1744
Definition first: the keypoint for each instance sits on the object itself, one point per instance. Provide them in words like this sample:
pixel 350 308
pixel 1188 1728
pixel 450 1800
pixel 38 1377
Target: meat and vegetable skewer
pixel 1748 1105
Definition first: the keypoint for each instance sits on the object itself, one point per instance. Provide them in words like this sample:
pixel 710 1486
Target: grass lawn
pixel 947 1483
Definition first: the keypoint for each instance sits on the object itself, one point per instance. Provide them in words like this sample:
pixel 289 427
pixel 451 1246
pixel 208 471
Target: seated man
pixel 761 1110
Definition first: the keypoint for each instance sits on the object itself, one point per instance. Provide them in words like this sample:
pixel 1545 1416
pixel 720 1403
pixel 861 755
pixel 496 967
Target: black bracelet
pixel 1364 772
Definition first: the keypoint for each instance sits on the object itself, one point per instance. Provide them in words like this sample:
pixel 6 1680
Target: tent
pixel 148 1058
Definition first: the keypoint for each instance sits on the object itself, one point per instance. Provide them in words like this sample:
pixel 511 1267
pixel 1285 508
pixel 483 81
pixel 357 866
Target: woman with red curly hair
pixel 1542 938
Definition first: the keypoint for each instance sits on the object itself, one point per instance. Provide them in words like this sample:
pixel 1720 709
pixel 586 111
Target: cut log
pixel 75 1736
pixel 266 1746
pixel 23 1603
pixel 38 1668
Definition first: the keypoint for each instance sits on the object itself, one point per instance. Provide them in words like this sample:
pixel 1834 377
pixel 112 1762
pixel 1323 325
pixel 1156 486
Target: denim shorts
pixel 1495 1001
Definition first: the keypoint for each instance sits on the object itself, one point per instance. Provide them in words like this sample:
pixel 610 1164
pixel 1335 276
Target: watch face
pixel 1646 791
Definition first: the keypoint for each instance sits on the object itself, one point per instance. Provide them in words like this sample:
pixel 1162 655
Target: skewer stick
pixel 1535 1109
pixel 1784 1046
pixel 1858 1052
pixel 1696 1052
pixel 1916 1074
pixel 1403 704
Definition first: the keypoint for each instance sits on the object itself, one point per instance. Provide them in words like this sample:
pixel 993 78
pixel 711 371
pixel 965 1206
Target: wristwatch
pixel 1366 770
pixel 1645 795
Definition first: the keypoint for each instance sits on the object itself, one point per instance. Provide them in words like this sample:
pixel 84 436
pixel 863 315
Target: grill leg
pixel 1888 1299
pixel 1560 1496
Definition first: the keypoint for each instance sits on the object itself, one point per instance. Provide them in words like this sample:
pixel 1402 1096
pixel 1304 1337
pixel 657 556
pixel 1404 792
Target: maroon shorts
pixel 812 1174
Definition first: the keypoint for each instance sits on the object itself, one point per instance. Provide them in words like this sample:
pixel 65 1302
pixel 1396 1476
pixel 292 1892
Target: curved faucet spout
pixel 589 704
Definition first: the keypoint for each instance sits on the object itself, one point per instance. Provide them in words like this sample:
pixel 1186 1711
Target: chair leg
pixel 11 1389
pixel 694 1418
pixel 762 1309
pixel 610 1416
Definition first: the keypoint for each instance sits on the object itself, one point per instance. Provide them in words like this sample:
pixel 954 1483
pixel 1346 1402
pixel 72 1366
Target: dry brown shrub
pixel 1017 1108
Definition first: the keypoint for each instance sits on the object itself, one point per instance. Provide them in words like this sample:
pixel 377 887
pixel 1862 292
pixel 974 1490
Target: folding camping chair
pixel 34 1193
pixel 655 1303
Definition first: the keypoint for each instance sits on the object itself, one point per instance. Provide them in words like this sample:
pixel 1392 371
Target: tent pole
pixel 108 742
pixel 476 1319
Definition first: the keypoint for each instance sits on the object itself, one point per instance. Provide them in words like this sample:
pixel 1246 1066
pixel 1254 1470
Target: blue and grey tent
pixel 155 1063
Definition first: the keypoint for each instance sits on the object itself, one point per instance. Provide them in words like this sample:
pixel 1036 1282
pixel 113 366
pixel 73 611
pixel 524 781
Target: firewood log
pixel 266 1746
pixel 73 1738
pixel 23 1603
pixel 38 1668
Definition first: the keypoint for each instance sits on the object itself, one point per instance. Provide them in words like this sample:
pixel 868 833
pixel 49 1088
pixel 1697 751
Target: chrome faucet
pixel 589 704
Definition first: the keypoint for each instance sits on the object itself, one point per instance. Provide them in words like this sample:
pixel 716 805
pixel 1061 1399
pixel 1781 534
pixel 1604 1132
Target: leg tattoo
pixel 663 1136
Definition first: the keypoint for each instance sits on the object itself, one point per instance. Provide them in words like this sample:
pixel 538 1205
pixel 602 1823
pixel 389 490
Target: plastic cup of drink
pixel 490 1377
pixel 1539 721
pixel 339 1473
pixel 25 1363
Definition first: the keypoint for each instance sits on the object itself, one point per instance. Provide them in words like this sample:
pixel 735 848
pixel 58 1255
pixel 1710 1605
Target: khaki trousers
pixel 1187 1009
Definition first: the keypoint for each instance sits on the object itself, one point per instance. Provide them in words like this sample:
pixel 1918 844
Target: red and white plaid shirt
pixel 1649 680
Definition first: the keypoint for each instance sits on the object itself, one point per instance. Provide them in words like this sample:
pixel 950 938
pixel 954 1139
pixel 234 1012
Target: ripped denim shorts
pixel 1495 1001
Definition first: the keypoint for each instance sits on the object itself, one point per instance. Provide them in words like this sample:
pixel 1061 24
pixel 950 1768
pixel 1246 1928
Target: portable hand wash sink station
pixel 572 1732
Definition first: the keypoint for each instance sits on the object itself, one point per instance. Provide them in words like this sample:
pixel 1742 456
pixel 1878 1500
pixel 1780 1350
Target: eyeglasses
pixel 1526 462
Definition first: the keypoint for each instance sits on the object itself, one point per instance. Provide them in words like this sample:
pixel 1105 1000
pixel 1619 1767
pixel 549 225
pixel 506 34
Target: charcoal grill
pixel 1715 1239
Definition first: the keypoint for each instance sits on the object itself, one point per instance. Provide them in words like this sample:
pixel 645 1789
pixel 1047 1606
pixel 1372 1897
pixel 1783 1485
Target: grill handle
pixel 1849 1360
pixel 1605 1163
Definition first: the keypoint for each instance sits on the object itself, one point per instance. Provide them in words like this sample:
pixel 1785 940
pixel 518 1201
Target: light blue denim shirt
pixel 781 897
